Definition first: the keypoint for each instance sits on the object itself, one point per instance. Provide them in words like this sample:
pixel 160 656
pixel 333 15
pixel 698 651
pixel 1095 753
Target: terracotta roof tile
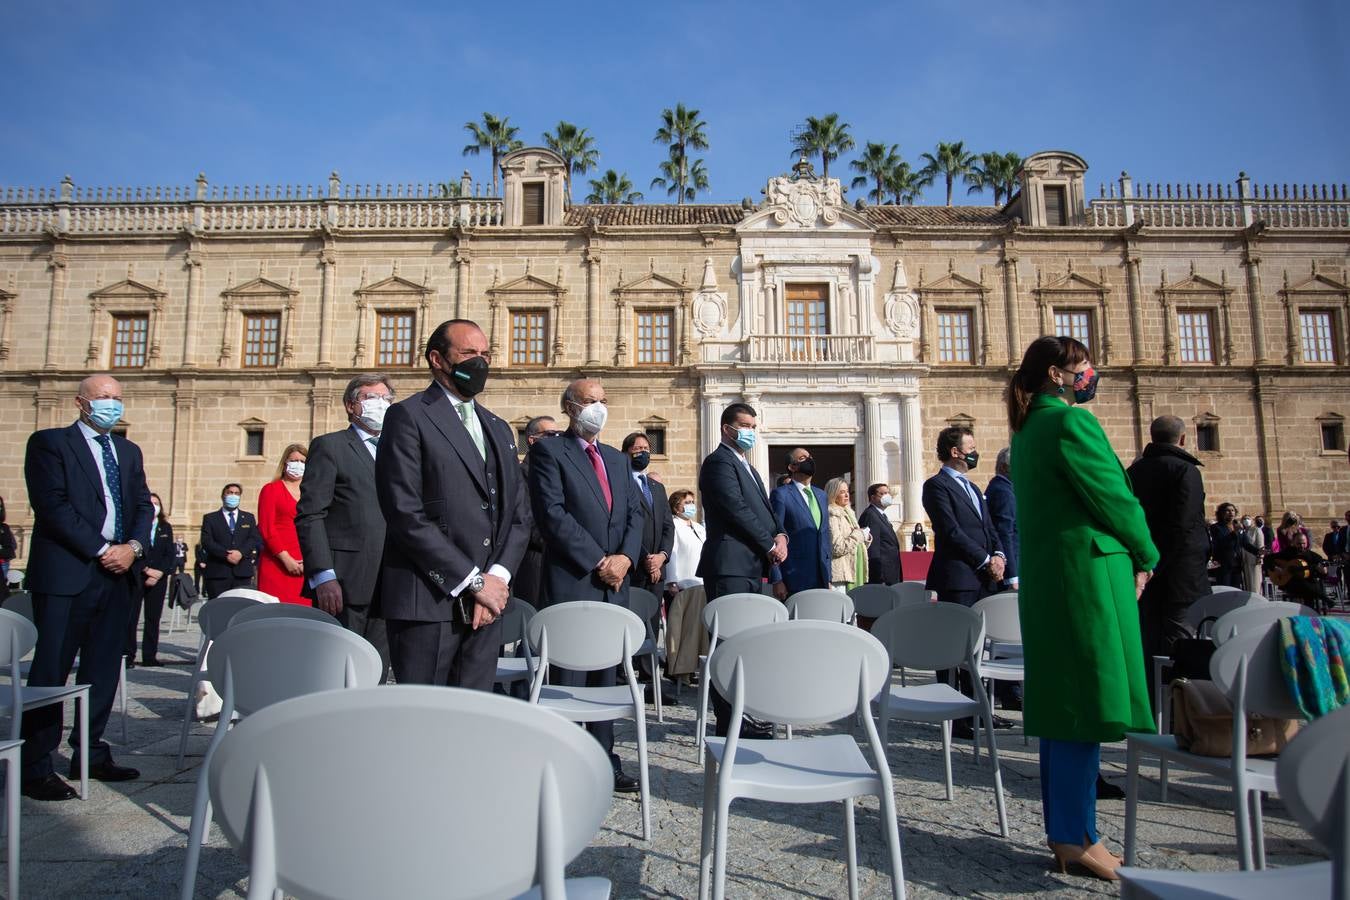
pixel 654 214
pixel 967 216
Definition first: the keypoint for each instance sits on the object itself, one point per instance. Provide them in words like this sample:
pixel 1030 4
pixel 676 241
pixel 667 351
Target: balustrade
pixel 810 348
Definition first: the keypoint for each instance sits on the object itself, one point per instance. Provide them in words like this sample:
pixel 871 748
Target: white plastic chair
pixel 804 672
pixel 1213 605
pixel 873 600
pixel 255 664
pixel 645 605
pixel 17 637
pixel 587 636
pixel 488 796
pixel 1313 777
pixel 1247 670
pixel 1255 615
pixel 9 755
pixel 213 619
pixel 822 604
pixel 914 592
pixel 513 669
pixel 939 636
pixel 726 616
pixel 281 611
pixel 1223 588
pixel 1002 656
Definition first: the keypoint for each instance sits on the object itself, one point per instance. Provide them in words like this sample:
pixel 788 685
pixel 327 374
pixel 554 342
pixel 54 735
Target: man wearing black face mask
pixel 658 525
pixel 803 510
pixel 454 500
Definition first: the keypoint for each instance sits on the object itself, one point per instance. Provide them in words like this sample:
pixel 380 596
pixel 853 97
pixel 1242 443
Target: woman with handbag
pixel 1086 555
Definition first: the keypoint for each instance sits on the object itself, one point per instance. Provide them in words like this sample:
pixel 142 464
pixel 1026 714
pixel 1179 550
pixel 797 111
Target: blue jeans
pixel 1069 790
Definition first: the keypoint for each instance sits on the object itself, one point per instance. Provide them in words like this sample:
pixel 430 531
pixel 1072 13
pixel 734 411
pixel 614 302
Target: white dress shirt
pixel 684 555
pixel 499 570
pixel 91 440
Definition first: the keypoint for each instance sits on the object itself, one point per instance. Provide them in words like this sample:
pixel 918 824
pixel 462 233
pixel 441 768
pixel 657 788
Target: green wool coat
pixel 1083 536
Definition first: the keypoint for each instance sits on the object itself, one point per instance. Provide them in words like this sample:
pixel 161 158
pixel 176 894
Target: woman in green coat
pixel 1086 555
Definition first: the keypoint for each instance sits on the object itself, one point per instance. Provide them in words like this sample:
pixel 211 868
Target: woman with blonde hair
pixel 281 571
pixel 848 542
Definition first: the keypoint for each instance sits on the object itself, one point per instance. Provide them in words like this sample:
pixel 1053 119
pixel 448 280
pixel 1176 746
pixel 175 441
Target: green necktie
pixel 812 505
pixel 471 425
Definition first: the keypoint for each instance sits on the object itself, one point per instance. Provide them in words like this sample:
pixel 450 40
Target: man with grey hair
pixel 338 518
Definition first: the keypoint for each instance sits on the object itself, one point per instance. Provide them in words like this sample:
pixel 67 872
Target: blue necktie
pixel 114 475
pixel 972 493
pixel 231 519
pixel 646 488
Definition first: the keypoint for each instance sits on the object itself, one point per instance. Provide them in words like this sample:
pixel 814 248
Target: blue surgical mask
pixel 689 510
pixel 105 414
pixel 745 438
pixel 231 501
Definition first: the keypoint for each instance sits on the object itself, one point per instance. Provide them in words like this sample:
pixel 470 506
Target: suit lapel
pixel 581 462
pixel 615 473
pixel 359 447
pixel 80 447
pixel 748 476
pixel 443 416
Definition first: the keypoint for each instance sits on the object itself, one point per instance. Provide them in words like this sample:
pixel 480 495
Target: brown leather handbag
pixel 1202 722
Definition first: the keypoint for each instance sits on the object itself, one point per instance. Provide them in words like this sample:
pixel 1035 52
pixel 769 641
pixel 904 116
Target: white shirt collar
pixel 362 433
pixel 89 433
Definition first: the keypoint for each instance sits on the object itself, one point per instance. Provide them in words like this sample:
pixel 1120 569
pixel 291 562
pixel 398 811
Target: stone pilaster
pixel 56 302
pixel 872 437
pixel 327 311
pixel 1134 289
pixel 1010 258
pixel 192 262
pixel 911 457
pixel 592 308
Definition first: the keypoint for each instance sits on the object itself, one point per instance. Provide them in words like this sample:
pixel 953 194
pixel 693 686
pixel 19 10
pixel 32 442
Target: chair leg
pixel 201 822
pixel 656 687
pixel 12 822
pixel 947 757
pixel 1162 778
pixel 701 725
pixel 1242 813
pixel 188 708
pixel 851 849
pixel 891 826
pixel 720 848
pixel 706 832
pixel 82 704
pixel 122 695
pixel 1259 829
pixel 998 786
pixel 1131 798
pixel 643 783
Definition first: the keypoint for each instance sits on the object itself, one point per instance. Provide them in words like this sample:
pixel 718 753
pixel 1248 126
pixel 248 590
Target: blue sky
pixel 151 93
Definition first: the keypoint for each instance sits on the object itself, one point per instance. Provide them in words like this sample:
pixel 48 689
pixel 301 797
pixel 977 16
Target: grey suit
pixel 341 529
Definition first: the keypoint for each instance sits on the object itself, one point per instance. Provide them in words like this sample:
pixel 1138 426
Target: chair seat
pixel 1003 670
pixel 43 696
pixel 588 704
pixel 930 703
pixel 593 888
pixel 647 647
pixel 511 668
pixel 805 770
pixel 1311 880
pixel 1261 770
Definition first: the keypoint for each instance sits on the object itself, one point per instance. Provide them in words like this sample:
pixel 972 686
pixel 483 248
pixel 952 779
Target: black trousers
pixel 151 600
pixel 359 620
pixel 217 586
pixel 93 624
pixel 444 653
pixel 720 587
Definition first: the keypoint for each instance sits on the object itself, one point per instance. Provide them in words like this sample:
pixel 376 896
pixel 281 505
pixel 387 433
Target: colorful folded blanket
pixel 1313 654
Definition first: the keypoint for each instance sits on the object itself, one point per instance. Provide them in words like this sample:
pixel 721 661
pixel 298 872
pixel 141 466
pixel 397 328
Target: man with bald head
pixel 91 522
pixel 454 502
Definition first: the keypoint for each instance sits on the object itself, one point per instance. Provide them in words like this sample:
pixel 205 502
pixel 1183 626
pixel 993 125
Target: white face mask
pixel 689 510
pixel 295 469
pixel 156 509
pixel 591 419
pixel 372 414
pixel 886 500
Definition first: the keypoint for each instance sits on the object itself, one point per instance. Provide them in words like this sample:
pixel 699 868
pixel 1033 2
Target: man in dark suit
pixel 91 523
pixel 528 583
pixel 883 554
pixel 968 558
pixel 452 496
pixel 800 506
pixel 746 541
pixel 338 517
pixel 150 585
pixel 658 525
pixel 1002 503
pixel 232 542
pixel 589 511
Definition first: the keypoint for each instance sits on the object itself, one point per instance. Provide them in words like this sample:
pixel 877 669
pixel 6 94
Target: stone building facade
pixel 234 319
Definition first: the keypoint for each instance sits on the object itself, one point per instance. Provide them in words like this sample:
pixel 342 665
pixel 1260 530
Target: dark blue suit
pixel 963 537
pixel 78 605
pixel 808 560
pixel 1002 504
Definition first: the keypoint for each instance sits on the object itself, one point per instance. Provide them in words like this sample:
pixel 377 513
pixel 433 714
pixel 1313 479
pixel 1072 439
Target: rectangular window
pixel 656 437
pixel 1333 437
pixel 529 338
pixel 655 328
pixel 395 339
pixel 533 195
pixel 808 314
pixel 129 338
pixel 1318 329
pixel 1194 336
pixel 1207 437
pixel 954 343
pixel 262 338
pixel 1056 205
pixel 1075 323
pixel 253 442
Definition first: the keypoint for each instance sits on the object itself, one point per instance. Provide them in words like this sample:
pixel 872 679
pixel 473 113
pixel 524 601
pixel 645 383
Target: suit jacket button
pixel 487 542
pixel 485 506
pixel 492 490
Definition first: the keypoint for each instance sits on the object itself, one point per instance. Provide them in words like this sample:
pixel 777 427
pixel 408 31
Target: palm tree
pixel 951 161
pixel 681 178
pixel 825 137
pixel 613 188
pixel 576 147
pixel 681 129
pixel 876 163
pixel 996 172
pixel 904 183
pixel 495 135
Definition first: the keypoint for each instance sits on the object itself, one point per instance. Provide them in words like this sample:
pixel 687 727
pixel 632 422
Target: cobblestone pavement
pixel 127 840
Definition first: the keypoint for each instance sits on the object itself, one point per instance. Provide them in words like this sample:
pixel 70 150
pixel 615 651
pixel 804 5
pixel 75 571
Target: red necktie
pixel 599 468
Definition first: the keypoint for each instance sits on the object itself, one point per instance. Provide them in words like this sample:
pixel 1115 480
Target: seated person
pixel 1299 571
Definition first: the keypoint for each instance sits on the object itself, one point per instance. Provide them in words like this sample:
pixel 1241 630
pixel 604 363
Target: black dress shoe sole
pixel 627 786
pixel 118 773
pixel 49 790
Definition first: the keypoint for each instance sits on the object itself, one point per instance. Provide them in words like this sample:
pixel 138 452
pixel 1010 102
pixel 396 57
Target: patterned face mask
pixel 1085 385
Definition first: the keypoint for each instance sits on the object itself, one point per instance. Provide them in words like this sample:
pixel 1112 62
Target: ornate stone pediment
pixel 953 282
pixel 259 287
pixel 126 289
pixel 651 283
pixel 1197 284
pixel 394 284
pixel 804 204
pixel 529 284
pixel 1075 283
pixel 1318 283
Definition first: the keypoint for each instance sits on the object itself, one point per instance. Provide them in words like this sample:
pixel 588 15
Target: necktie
pixel 973 494
pixel 471 425
pixel 646 488
pixel 114 475
pixel 812 505
pixel 374 443
pixel 154 527
pixel 599 468
pixel 230 516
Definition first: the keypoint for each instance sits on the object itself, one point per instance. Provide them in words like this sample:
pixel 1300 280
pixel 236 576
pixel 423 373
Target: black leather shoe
pixel 1011 703
pixel 131 663
pixel 755 730
pixel 666 698
pixel 963 729
pixel 152 663
pixel 626 784
pixel 48 789
pixel 108 771
pixel 1001 723
pixel 1108 791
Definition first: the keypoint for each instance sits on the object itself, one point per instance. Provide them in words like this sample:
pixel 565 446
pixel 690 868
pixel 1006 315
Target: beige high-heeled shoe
pixel 1095 858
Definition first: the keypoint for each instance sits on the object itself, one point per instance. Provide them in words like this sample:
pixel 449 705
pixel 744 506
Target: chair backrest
pixel 271 660
pixel 515 617
pixel 260 596
pixel 585 635
pixel 820 603
pixel 873 600
pixel 217 612
pixel 912 592
pixel 280 611
pixel 733 613
pixel 801 672
pixel 18 635
pixel 1264 691
pixel 462 758
pixel 932 636
pixel 1223 588
pixel 20 602
pixel 1001 619
pixel 1257 614
pixel 1212 606
pixel 643 603
pixel 1313 775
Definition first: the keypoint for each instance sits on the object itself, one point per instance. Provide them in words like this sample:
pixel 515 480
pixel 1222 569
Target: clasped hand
pixel 613 569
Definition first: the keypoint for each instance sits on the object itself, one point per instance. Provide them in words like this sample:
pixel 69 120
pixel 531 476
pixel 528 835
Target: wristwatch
pixel 476 583
pixel 136 548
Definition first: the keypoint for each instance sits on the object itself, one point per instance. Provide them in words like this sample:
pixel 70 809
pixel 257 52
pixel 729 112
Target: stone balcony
pixel 825 349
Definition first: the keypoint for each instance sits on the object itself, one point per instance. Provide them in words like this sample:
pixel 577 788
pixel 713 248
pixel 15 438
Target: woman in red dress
pixel 280 570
